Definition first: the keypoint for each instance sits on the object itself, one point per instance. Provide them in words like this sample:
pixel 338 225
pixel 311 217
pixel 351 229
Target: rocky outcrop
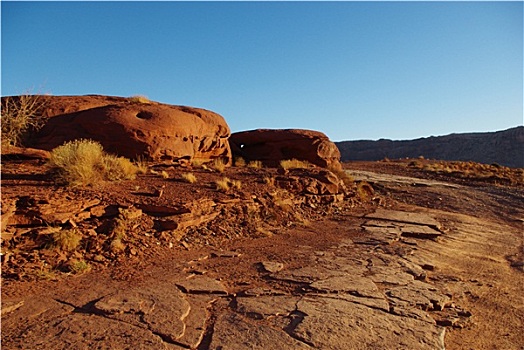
pixel 272 146
pixel 131 128
pixel 503 147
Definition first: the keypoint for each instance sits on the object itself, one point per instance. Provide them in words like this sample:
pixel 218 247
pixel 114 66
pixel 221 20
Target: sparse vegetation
pixel 66 240
pixel 164 174
pixel 20 116
pixel 255 164
pixel 79 266
pixel 343 175
pixel 141 165
pixel 240 162
pixel 365 191
pixel 218 165
pixel 236 184
pixel 225 184
pixel 470 170
pixel 139 99
pixel 84 162
pixel 121 225
pixel 118 168
pixel 222 184
pixel 295 164
pixel 189 177
pixel 197 162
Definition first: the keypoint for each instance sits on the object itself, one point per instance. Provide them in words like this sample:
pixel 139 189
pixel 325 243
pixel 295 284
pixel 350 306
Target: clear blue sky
pixel 353 70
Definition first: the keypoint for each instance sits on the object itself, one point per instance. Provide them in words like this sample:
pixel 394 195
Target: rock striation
pixel 131 128
pixel 271 146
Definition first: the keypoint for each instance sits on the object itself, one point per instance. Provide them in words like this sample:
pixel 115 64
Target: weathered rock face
pixel 272 146
pixel 130 128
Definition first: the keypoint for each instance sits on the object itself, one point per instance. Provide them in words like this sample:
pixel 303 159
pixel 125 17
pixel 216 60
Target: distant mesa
pixel 273 145
pixel 133 127
pixel 502 147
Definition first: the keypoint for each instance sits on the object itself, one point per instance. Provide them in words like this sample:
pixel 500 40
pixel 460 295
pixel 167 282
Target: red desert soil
pixel 459 241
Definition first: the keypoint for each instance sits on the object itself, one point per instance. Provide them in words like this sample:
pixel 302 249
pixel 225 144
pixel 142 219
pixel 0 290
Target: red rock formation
pixel 130 128
pixel 272 146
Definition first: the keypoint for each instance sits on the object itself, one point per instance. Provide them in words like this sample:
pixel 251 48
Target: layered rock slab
pixel 361 327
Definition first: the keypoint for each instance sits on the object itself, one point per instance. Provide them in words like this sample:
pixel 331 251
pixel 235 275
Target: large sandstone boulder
pixel 272 146
pixel 131 128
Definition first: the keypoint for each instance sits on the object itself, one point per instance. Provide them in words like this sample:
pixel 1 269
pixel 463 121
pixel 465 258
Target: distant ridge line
pixel 504 147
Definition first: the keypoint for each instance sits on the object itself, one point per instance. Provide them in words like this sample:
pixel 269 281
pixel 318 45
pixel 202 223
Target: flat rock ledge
pixel 349 296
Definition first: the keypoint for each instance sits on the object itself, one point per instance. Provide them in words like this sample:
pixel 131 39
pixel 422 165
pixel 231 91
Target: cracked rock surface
pixel 402 278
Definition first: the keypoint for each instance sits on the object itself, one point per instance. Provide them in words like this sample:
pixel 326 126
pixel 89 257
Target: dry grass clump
pixel 255 164
pixel 218 165
pixel 197 162
pixel 139 99
pixel 67 240
pixel 222 184
pixel 225 183
pixel 365 191
pixel 123 222
pixel 189 177
pixel 294 164
pixel 240 162
pixel 20 115
pixel 79 266
pixel 118 168
pixel 141 165
pixel 343 175
pixel 236 184
pixel 84 162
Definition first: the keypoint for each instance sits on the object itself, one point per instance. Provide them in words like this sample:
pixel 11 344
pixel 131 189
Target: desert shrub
pixel 67 240
pixel 84 162
pixel 79 162
pixel 240 162
pixel 197 162
pixel 365 191
pixel 218 165
pixel 118 168
pixel 117 245
pixel 255 164
pixel 223 184
pixel 343 175
pixel 20 115
pixel 79 266
pixel 141 165
pixel 139 99
pixel 189 177
pixel 236 184
pixel 294 164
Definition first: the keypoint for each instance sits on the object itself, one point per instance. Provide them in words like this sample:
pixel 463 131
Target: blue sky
pixel 353 70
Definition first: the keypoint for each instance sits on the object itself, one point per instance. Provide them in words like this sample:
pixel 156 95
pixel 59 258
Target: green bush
pixel 84 162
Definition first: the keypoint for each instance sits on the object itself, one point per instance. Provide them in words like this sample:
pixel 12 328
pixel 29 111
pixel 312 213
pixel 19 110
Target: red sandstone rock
pixel 272 146
pixel 131 128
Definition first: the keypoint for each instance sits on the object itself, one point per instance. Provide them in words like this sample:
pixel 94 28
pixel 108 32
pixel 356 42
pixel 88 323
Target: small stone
pixel 10 306
pixel 201 285
pixel 271 266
